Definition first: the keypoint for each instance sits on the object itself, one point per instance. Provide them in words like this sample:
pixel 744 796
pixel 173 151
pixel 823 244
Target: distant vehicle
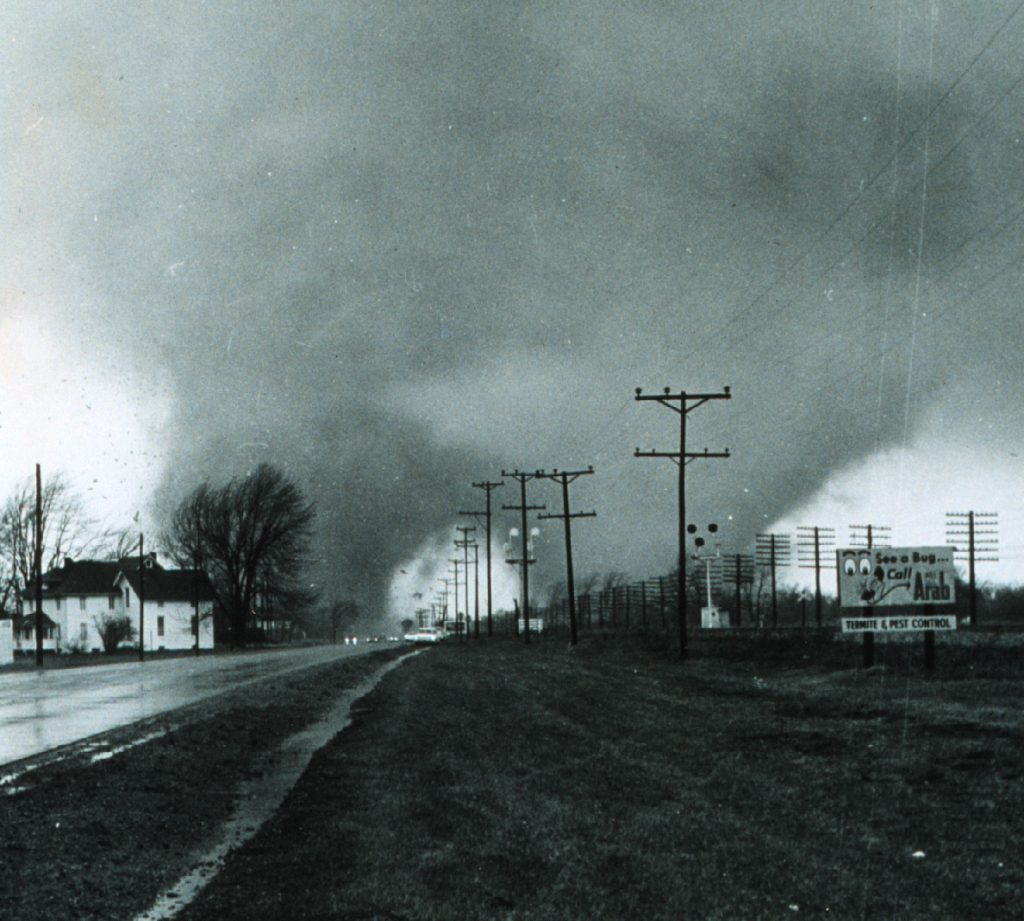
pixel 425 635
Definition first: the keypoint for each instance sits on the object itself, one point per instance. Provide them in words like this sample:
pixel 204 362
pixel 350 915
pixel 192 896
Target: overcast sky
pixel 398 247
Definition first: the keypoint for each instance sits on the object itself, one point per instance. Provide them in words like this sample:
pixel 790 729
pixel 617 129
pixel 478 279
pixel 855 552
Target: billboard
pixel 889 576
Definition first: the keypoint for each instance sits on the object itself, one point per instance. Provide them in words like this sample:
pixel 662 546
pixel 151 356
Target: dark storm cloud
pixel 398 247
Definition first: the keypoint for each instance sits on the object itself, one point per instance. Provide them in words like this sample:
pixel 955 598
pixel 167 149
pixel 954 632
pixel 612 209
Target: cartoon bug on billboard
pixel 888 576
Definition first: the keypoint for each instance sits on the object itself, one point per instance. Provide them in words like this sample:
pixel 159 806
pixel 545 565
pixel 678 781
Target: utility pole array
pixel 488 487
pixel 565 477
pixel 982 533
pixel 522 478
pixel 811 543
pixel 683 404
pixel 465 544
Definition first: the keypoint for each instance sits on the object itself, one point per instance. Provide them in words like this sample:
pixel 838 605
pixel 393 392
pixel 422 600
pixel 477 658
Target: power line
pixel 710 336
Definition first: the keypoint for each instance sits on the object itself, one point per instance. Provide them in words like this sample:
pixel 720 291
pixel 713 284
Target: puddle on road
pixel 261 797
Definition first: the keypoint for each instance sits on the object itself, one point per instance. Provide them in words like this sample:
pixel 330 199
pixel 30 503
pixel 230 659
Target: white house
pixel 169 617
pixel 81 594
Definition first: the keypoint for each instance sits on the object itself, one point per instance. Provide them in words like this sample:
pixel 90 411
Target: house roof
pixel 99 577
pixel 79 577
pixel 29 620
pixel 170 584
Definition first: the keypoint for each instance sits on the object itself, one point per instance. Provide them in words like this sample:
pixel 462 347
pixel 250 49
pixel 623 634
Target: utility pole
pixel 488 487
pixel 981 530
pixel 687 402
pixel 867 535
pixel 455 594
pixel 444 601
pixel 195 594
pixel 38 561
pixel 870 535
pixel 465 544
pixel 810 543
pixel 476 591
pixel 773 550
pixel 738 570
pixel 565 477
pixel 484 516
pixel 522 477
pixel 142 601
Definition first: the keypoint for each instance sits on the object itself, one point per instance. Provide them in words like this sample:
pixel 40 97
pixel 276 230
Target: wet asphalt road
pixel 46 709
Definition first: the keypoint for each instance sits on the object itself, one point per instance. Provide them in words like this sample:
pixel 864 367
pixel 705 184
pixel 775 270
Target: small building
pixel 81 594
pixel 25 632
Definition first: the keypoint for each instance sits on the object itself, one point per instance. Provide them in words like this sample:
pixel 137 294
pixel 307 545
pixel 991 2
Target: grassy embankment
pixel 496 781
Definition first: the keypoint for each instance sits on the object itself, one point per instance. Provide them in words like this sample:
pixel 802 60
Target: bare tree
pixel 252 537
pixel 556 594
pixel 67 530
pixel 120 543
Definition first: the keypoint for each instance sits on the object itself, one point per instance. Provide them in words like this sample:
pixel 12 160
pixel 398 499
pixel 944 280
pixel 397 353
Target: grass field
pixel 761 779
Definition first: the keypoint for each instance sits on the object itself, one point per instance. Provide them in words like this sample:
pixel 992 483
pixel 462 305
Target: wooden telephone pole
pixel 522 477
pixel 565 477
pixel 682 403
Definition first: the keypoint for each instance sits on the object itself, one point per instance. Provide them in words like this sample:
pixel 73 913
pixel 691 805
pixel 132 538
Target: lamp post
pixel 522 564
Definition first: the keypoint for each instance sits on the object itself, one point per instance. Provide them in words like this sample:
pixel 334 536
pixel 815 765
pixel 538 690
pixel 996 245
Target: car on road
pixel 425 635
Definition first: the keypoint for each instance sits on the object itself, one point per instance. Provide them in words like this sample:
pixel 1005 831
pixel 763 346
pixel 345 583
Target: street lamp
pixel 710 615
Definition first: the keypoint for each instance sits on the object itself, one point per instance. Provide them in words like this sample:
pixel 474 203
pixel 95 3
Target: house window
pixel 110 601
pixel 160 626
pixel 81 602
pixel 83 632
pixel 56 601
pixel 160 603
pixel 127 597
